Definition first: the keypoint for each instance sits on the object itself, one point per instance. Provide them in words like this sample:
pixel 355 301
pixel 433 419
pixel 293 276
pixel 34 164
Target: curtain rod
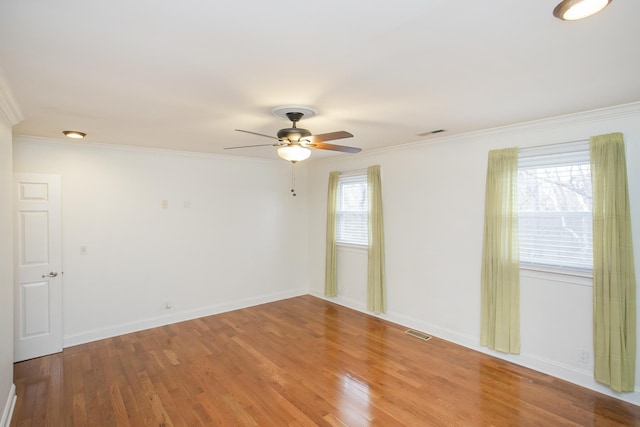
pixel 556 143
pixel 353 171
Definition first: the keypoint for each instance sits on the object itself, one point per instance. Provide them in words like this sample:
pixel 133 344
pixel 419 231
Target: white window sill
pixel 575 277
pixel 352 247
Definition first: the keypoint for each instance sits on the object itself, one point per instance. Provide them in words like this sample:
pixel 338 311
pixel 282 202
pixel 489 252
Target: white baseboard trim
pixel 571 374
pixel 175 317
pixel 7 413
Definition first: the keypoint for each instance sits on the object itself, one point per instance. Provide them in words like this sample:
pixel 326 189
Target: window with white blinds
pixel 352 210
pixel 554 207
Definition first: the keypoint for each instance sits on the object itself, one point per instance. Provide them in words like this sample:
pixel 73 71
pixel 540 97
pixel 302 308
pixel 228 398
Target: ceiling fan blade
pixel 249 146
pixel 329 136
pixel 333 147
pixel 256 133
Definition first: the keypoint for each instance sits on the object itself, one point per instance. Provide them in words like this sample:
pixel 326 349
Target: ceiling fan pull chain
pixel 293 179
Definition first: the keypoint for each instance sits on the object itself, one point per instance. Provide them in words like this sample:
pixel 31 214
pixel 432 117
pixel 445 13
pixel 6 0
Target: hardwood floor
pixel 297 362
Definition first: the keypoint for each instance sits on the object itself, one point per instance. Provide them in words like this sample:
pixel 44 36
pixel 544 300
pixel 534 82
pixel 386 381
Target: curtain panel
pixel 330 281
pixel 376 292
pixel 614 283
pixel 500 280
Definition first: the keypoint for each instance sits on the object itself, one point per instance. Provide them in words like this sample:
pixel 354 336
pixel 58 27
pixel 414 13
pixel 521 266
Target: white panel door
pixel 38 259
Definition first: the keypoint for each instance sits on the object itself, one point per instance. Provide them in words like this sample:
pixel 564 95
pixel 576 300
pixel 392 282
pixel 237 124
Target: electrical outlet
pixel 584 356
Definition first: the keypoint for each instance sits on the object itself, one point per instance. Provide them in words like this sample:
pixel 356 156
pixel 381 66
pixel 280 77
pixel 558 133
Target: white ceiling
pixel 184 74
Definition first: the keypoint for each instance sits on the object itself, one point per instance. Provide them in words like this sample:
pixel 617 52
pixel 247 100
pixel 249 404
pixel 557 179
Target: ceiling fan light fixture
pixel 571 10
pixel 74 134
pixel 294 153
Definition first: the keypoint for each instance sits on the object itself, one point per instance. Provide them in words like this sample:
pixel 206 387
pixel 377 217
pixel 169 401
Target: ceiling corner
pixel 9 108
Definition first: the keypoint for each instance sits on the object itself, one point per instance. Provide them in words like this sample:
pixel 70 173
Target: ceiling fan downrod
pixel 295 117
pixel 293 134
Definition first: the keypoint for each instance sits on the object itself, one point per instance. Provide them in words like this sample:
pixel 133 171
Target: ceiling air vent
pixel 431 132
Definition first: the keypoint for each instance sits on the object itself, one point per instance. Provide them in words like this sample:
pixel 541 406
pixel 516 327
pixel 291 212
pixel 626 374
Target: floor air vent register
pixel 418 334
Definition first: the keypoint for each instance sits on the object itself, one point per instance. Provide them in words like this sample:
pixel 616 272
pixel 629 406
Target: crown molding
pixel 9 108
pixel 591 116
pixel 88 145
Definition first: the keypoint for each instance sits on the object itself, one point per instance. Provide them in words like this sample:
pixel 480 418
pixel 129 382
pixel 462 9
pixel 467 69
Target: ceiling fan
pixel 295 142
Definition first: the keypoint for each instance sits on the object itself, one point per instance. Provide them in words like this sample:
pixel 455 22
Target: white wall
pixel 7 392
pixel 433 195
pixel 10 115
pixel 243 239
pixel 232 234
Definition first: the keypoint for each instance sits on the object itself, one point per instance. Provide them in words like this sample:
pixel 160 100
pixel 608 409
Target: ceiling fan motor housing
pixel 293 134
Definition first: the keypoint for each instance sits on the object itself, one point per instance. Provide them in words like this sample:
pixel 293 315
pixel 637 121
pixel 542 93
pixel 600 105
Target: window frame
pixel 357 176
pixel 567 274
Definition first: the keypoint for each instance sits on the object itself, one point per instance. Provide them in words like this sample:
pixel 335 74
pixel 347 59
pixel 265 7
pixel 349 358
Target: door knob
pixel 52 274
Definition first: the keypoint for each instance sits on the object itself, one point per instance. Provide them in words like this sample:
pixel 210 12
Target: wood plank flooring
pixel 297 362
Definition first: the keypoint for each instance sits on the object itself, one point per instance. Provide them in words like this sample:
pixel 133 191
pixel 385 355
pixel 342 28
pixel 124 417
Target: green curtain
pixel 376 293
pixel 614 284
pixel 500 281
pixel 330 282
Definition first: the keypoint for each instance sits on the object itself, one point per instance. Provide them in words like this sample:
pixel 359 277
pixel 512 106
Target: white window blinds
pixel 352 210
pixel 554 207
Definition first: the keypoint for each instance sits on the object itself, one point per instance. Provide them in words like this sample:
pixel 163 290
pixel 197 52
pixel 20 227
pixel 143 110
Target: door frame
pixel 32 280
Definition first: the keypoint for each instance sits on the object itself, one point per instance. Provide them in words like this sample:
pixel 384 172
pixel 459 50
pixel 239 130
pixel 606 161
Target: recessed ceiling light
pixel 74 134
pixel 571 10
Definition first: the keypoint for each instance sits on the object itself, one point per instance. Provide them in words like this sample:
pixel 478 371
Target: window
pixel 554 207
pixel 352 210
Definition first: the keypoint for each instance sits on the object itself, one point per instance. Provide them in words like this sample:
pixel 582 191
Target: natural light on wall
pixel 571 10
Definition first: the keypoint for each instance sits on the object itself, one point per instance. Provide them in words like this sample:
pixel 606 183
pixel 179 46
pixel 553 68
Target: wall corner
pixel 7 413
pixel 9 109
